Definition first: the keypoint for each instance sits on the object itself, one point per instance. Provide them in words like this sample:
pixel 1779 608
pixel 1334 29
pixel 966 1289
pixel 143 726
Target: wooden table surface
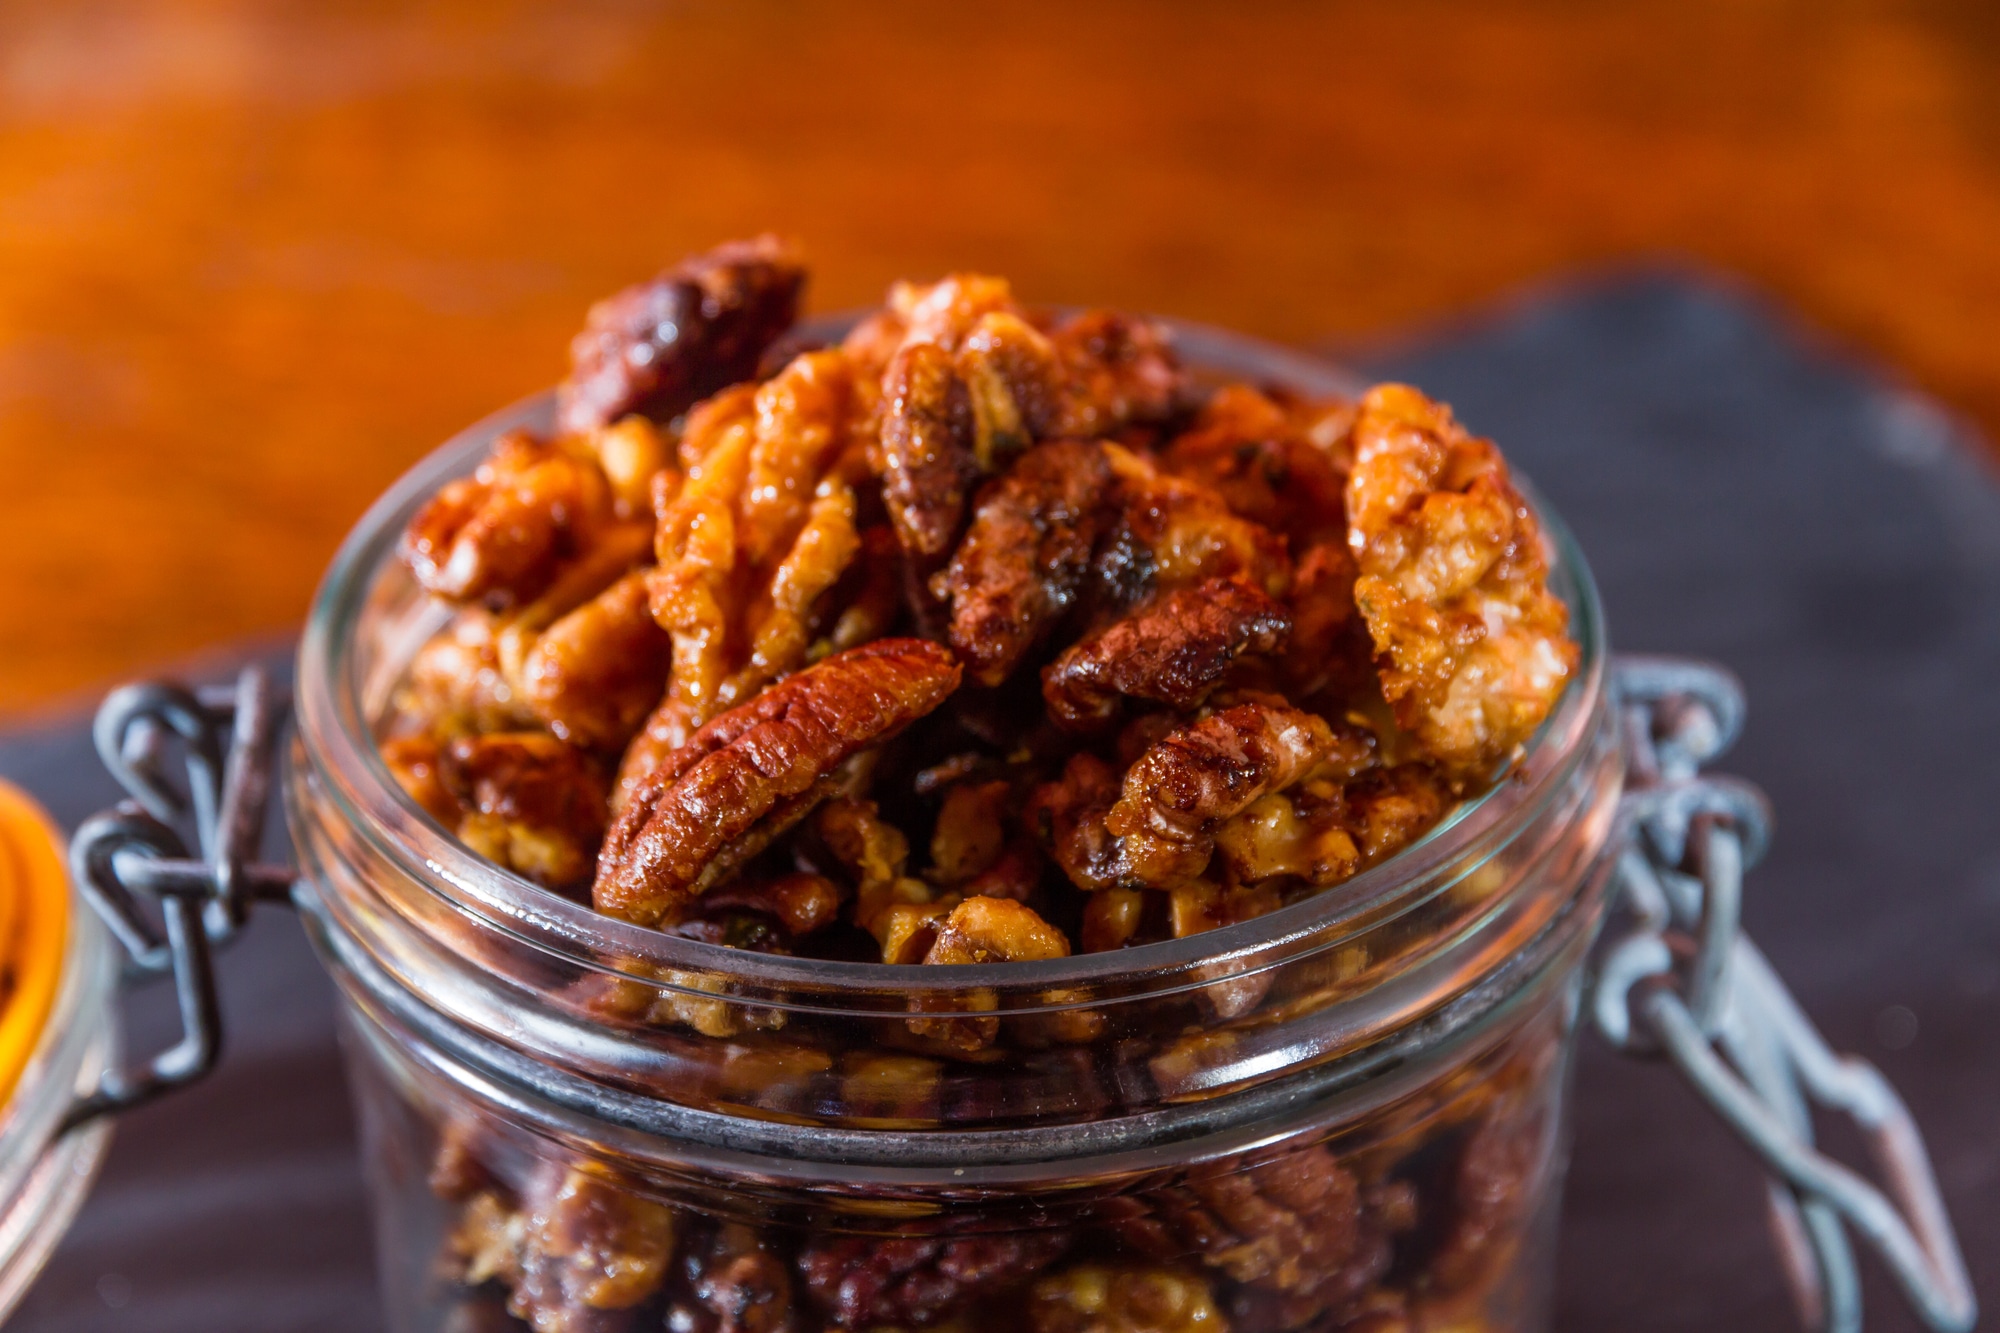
pixel 256 258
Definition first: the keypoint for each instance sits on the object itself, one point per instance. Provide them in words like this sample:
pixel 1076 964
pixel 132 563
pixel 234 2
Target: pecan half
pixel 1022 561
pixel 657 347
pixel 769 760
pixel 928 465
pixel 1173 651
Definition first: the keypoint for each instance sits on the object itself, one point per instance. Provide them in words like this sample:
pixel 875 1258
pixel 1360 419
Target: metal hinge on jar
pixel 1678 978
pixel 226 738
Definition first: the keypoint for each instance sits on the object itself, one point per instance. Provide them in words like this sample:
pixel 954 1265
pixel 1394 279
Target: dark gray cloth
pixel 1744 494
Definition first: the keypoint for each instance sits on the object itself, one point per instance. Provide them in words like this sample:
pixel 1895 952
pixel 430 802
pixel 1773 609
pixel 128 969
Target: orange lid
pixel 34 928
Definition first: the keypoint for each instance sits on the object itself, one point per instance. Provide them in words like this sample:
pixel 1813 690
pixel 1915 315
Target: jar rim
pixel 338 743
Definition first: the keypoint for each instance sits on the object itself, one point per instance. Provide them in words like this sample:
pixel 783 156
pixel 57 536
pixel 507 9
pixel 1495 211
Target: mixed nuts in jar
pixel 982 724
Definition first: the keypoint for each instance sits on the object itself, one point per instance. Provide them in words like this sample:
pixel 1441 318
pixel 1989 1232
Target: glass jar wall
pixel 1345 1114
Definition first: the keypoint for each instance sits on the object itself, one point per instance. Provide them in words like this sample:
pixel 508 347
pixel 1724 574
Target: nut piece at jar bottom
pixel 917 1281
pixel 1097 1298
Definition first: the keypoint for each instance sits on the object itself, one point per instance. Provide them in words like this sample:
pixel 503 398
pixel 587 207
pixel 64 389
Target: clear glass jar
pixel 1346 1114
pixel 44 1173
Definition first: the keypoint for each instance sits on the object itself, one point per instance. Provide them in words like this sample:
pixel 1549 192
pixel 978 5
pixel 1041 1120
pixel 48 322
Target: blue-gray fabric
pixel 1744 493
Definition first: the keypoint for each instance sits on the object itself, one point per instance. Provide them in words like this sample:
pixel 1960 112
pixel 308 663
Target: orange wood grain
pixel 255 258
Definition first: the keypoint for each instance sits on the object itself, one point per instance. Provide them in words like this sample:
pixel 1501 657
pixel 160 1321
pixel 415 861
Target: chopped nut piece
pixel 595 674
pixel 657 347
pixel 1183 788
pixel 1173 651
pixel 1069 816
pixel 736 1283
pixel 523 800
pixel 762 760
pixel 1453 583
pixel 1095 1298
pixel 589 1243
pixel 861 1283
pixel 503 533
pixel 970 830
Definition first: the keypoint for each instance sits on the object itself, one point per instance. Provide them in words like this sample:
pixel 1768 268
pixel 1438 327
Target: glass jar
pixel 1346 1114
pixel 66 1026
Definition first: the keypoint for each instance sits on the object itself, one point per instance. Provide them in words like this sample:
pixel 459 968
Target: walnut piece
pixel 689 824
pixel 657 347
pixel 1099 1298
pixel 503 534
pixel 522 799
pixel 1453 583
pixel 1184 787
pixel 1174 651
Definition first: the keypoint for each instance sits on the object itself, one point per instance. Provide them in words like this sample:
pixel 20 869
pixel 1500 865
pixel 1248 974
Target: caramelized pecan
pixel 1174 651
pixel 1024 557
pixel 928 466
pixel 657 347
pixel 768 760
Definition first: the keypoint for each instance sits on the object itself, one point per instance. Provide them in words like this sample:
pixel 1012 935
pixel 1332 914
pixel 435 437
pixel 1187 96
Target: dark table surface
pixel 1745 494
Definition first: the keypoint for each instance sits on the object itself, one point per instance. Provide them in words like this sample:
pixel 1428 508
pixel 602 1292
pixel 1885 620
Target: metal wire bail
pixel 227 739
pixel 1680 979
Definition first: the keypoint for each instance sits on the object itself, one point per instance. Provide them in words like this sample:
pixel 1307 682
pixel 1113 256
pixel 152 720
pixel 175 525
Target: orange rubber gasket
pixel 34 928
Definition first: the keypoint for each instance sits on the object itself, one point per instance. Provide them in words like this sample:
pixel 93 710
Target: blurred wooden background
pixel 255 258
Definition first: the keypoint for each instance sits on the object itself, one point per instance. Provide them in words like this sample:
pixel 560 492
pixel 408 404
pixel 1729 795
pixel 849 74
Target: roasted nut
pixel 1295 1232
pixel 657 347
pixel 457 683
pixel 524 800
pixel 1097 1298
pixel 859 1283
pixel 734 1283
pixel 928 466
pixel 1115 371
pixel 502 534
pixel 1171 533
pixel 1251 450
pixel 1174 651
pixel 770 759
pixel 982 930
pixel 1182 789
pixel 595 674
pixel 1021 563
pixel 1474 648
pixel 970 831
pixel 762 527
pixel 589 1243
pixel 1068 815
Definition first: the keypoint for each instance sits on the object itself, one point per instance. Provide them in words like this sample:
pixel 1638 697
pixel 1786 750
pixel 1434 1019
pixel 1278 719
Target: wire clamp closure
pixel 226 740
pixel 1678 978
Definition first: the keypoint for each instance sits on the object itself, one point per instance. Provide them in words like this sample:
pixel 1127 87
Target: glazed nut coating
pixel 658 347
pixel 754 760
